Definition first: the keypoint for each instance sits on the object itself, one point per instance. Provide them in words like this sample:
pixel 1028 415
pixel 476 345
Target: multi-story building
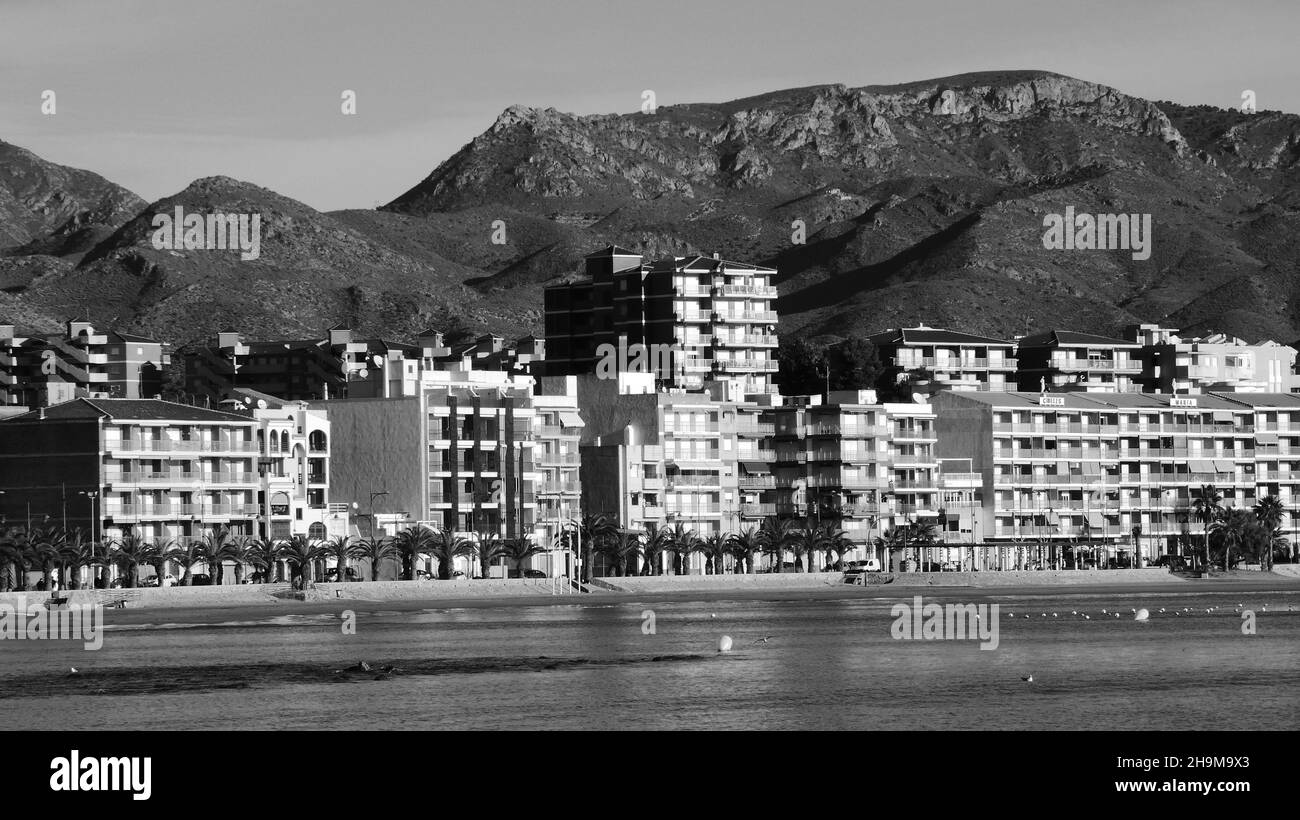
pixel 1091 471
pixel 697 319
pixel 663 459
pixel 931 359
pixel 866 466
pixel 1276 421
pixel 164 472
pixel 558 430
pixel 1217 362
pixel 1068 360
pixel 336 367
pixel 40 371
pixel 460 456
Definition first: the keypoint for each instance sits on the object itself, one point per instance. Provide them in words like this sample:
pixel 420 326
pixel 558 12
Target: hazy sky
pixel 153 94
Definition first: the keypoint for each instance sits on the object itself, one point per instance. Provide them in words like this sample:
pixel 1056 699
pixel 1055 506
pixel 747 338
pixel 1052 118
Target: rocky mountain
pixel 917 202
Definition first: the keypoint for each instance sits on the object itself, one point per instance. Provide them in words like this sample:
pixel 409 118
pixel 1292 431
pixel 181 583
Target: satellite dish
pixel 363 373
pixel 261 404
pixel 378 360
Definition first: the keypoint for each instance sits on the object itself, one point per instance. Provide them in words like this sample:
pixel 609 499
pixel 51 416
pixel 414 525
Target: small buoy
pixel 1103 612
pixel 74 669
pixel 1141 615
pixel 713 615
pixel 1074 612
pixel 1053 614
pixel 1086 618
pixel 1028 679
pixel 1162 609
pixel 1044 615
pixel 1011 614
pixel 724 643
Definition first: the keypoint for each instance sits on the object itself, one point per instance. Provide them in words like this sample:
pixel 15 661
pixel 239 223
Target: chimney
pixel 715 255
pixel 40 413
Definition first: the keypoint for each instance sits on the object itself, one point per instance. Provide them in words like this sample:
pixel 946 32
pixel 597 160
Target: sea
pixel 1202 660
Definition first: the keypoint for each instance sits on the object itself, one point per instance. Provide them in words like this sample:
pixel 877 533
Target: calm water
pixel 830 664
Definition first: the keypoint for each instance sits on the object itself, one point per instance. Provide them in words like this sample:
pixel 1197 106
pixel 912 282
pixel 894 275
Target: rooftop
pixel 128 410
pixel 1072 337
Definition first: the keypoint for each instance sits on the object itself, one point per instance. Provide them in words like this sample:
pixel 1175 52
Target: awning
pixel 570 419
pixel 1095 521
pixel 1221 466
pixel 755 467
pixel 1266 438
pixel 1223 415
pixel 1091 468
pixel 1202 466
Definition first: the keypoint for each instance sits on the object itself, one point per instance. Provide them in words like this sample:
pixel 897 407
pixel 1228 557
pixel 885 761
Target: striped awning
pixel 569 419
pixel 1266 438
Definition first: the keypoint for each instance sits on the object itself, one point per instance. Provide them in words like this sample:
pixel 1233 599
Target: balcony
pixel 693 481
pixel 757 482
pixel 746 317
pixel 747 291
pixel 746 365
pixel 757 510
pixel 560 487
pixel 746 340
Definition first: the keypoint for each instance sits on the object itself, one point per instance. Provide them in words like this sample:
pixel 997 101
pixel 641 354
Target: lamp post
pixel 373 496
pixel 93 495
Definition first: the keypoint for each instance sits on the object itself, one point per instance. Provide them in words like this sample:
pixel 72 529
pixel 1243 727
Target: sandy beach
pixel 196 604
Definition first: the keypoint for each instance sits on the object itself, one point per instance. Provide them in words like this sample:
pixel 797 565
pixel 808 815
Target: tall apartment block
pixel 1089 468
pixel 40 371
pixel 931 359
pixel 475 453
pixel 1174 364
pixel 866 466
pixel 335 367
pixel 662 459
pixel 169 472
pixel 699 319
pixel 1067 360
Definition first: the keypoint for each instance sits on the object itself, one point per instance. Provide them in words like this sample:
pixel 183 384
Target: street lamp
pixel 373 496
pixel 93 495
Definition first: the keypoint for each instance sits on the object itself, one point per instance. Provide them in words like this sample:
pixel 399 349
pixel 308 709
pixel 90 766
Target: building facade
pixel 40 371
pixel 166 472
pixel 697 320
pixel 927 360
pixel 1068 360
pixel 1213 363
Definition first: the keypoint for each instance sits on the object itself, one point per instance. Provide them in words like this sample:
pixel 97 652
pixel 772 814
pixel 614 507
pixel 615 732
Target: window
pixel 316 531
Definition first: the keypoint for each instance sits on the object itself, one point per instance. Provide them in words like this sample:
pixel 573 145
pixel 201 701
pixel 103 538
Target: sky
pixel 153 94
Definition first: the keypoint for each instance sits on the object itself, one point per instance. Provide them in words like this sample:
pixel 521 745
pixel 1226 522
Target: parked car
pixel 949 566
pixel 534 573
pixel 423 575
pixel 201 580
pixel 332 574
pixel 457 574
pixel 164 580
pixel 867 565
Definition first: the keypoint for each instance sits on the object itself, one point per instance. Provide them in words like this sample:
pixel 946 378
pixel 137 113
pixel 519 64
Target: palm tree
pixel 806 540
pixel 488 546
pixel 744 546
pixel 519 550
pixel 339 548
pixel 12 559
pixel 1277 542
pixel 446 546
pixel 921 535
pixel 835 541
pixel 683 542
pixel 886 543
pixel 658 540
pixel 187 558
pixel 218 548
pixel 775 534
pixel 1208 508
pixel 620 550
pixel 128 553
pixel 46 552
pixel 243 545
pixel 713 547
pixel 376 550
pixel 300 552
pixel 79 554
pixel 593 529
pixel 1270 512
pixel 262 555
pixel 1234 530
pixel 409 545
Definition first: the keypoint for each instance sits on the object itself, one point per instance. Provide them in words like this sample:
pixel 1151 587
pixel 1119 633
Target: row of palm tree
pixel 62 554
pixel 1254 533
pixel 648 552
